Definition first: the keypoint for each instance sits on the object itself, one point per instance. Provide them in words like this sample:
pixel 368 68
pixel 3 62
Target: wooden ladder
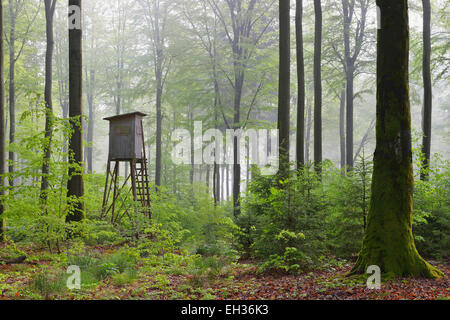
pixel 141 181
pixel 142 185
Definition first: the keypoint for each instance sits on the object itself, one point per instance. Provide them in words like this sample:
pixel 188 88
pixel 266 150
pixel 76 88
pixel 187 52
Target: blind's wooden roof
pixel 127 115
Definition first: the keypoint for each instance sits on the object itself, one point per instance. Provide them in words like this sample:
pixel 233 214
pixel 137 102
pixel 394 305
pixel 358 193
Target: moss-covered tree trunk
pixel 389 241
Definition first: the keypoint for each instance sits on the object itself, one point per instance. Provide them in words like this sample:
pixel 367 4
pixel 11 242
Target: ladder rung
pixel 141 181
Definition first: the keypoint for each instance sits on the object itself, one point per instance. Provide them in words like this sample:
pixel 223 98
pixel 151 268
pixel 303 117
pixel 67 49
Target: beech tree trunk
pixel 12 87
pixel 216 183
pixel 349 120
pixel 240 39
pixel 284 87
pixel 348 10
pixel 389 241
pixel 2 131
pixel 227 183
pixel 49 17
pixel 208 178
pixel 342 129
pixel 75 187
pixel 301 85
pixel 91 121
pixel 15 8
pixel 120 52
pixel 308 132
pixel 239 82
pixel 192 170
pixel 159 74
pixel 318 87
pixel 225 186
pixel 353 46
pixel 62 70
pixel 158 159
pixel 428 89
pixel 157 13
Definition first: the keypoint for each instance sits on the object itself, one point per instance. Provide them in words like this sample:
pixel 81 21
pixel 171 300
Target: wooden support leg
pixel 106 193
pixel 116 174
pixel 133 178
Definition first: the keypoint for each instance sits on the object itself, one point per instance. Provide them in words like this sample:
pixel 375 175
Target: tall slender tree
pixel 62 73
pixel 342 129
pixel 428 89
pixel 162 63
pixel 62 70
pixel 16 8
pixel 90 66
pixel 75 186
pixel 13 13
pixel 208 39
pixel 348 13
pixel 2 131
pixel 389 241
pixel 50 6
pixel 243 35
pixel 300 85
pixel 156 15
pixel 120 46
pixel 350 64
pixel 90 88
pixel 309 124
pixel 318 86
pixel 348 50
pixel 284 86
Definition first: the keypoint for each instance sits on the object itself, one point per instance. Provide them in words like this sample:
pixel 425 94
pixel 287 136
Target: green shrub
pixel 292 261
pixel 347 197
pixel 431 212
pixel 283 214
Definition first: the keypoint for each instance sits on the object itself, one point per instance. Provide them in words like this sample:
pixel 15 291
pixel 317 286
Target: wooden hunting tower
pixel 126 144
pixel 126 137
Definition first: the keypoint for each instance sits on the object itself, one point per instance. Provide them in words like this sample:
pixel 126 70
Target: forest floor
pixel 43 276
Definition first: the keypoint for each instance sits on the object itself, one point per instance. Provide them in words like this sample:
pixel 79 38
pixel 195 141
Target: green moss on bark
pixel 389 241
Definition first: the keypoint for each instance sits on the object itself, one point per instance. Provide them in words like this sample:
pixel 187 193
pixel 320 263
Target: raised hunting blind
pixel 126 144
pixel 126 137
